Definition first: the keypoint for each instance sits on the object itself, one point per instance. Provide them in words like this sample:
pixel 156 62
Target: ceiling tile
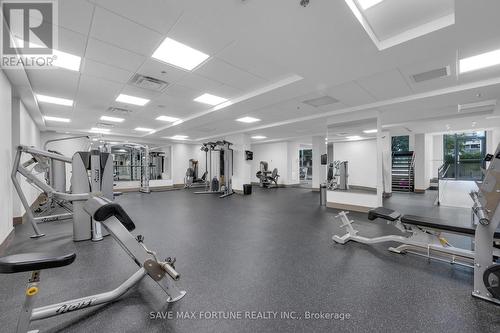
pixel 159 15
pixel 71 42
pixel 75 15
pixel 100 70
pixel 96 93
pixel 113 56
pixel 205 85
pixel 221 71
pixel 351 94
pixel 54 82
pixel 124 33
pixel 386 85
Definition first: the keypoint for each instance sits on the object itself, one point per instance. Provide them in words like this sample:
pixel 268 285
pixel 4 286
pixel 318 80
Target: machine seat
pixel 26 262
pixel 428 222
pixel 114 209
pixel 383 213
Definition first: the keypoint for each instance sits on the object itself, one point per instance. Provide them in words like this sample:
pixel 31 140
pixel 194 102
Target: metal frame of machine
pixel 424 237
pixel 224 147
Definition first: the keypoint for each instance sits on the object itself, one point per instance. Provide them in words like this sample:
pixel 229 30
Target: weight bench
pixel 117 222
pixel 422 236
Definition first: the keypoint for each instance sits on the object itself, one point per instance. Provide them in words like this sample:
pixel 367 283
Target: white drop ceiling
pixel 253 44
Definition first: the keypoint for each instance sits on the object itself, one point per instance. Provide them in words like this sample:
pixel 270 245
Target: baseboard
pixel 387 195
pixel 20 219
pixel 5 244
pixel 238 192
pixel 315 189
pixel 420 191
pixel 354 208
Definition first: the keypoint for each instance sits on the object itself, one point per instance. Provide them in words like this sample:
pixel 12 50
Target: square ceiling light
pixel 57 119
pixel 210 99
pixel 54 100
pixel 127 99
pixel 248 120
pixel 99 130
pixel 167 119
pixel 112 119
pixel 480 61
pixel 143 129
pixel 179 137
pixel 259 137
pixel 175 53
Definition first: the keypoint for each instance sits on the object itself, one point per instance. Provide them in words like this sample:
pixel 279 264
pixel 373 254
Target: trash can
pixel 247 189
pixel 322 195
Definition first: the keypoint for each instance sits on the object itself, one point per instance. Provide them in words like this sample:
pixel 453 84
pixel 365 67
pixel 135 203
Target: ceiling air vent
pixel 148 83
pixel 321 101
pixel 120 111
pixel 483 106
pixel 431 75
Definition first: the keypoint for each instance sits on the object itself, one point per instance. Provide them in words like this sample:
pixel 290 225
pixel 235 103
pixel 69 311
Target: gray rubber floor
pixel 271 251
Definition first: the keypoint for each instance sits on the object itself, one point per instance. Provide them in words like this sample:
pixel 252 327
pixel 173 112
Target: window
pixel 401 143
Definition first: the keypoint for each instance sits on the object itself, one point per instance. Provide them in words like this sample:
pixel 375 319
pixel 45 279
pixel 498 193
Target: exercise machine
pixel 423 235
pixel 266 177
pixel 116 221
pixel 337 177
pixel 191 179
pixel 221 182
pixel 92 172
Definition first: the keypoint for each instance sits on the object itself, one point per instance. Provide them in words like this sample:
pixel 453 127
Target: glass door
pixel 464 153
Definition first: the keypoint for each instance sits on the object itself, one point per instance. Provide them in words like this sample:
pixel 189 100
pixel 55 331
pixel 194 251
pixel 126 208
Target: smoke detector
pixel 321 101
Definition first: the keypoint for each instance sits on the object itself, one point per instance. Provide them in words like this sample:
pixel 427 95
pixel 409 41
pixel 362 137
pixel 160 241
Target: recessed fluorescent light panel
pixel 54 100
pixel 370 131
pixel 99 130
pixel 248 120
pixel 57 119
pixel 259 137
pixel 168 119
pixel 174 53
pixel 353 137
pixel 178 122
pixel 365 4
pixel 112 119
pixel 143 129
pixel 480 61
pixel 210 99
pixel 67 61
pixel 127 99
pixel 179 137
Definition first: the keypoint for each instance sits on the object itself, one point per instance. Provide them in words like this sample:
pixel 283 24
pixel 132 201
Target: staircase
pixel 403 173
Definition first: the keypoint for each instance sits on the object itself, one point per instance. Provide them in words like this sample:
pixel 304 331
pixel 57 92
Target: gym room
pixel 250 166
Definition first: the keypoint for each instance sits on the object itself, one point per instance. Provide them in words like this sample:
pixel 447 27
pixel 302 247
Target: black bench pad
pixel 114 209
pixel 428 222
pixel 25 262
pixel 383 213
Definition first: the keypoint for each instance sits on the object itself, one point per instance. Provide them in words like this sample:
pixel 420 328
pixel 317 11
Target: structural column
pixel 318 170
pixel 421 174
pixel 242 169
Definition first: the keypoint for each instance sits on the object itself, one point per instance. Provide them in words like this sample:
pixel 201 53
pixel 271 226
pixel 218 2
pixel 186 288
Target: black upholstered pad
pixel 432 223
pixel 25 262
pixel 114 209
pixel 383 213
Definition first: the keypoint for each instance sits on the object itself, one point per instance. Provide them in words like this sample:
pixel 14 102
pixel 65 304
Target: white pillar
pixel 421 183
pixel 242 169
pixel 292 162
pixel 318 170
pixel 387 162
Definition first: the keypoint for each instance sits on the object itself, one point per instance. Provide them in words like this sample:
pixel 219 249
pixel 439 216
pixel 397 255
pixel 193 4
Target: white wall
pixel 362 158
pixel 24 132
pixel 437 154
pixel 5 157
